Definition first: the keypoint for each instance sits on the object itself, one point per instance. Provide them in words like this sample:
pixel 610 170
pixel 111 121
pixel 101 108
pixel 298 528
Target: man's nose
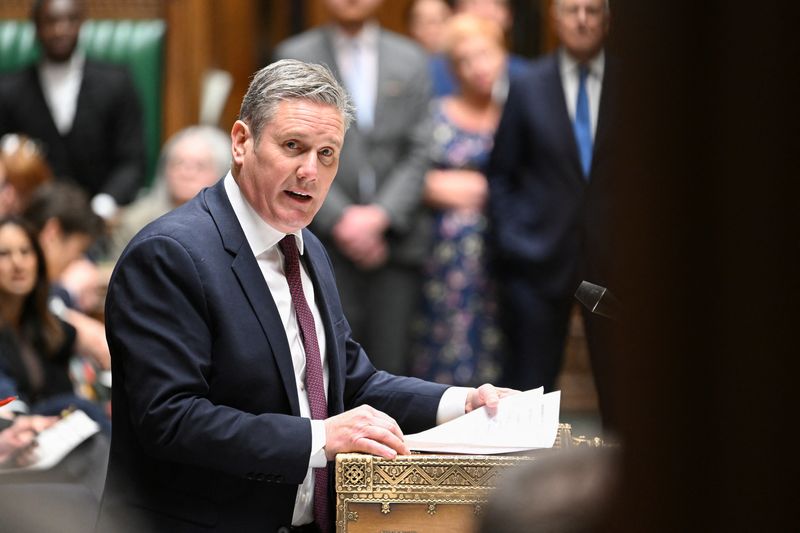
pixel 308 166
pixel 582 15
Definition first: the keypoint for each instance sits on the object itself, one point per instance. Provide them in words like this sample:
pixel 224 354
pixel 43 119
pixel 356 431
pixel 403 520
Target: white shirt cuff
pixel 452 404
pixel 318 458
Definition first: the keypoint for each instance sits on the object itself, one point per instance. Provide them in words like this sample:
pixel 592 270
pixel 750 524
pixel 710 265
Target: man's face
pixel 582 26
pixel 190 167
pixel 57 28
pixel 287 175
pixel 352 11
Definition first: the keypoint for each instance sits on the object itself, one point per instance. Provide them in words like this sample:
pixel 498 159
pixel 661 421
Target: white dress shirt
pixel 61 83
pixel 263 240
pixel 594 84
pixel 357 59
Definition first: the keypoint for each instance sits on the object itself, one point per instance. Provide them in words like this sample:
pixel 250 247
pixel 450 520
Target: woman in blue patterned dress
pixel 457 338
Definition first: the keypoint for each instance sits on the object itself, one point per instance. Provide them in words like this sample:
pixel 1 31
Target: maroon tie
pixel 314 384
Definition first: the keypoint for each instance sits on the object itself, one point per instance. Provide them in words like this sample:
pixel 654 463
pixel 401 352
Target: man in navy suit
pixel 550 197
pixel 86 113
pixel 215 426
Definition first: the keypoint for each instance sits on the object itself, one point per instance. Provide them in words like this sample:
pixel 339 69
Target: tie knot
pixel 583 72
pixel 288 246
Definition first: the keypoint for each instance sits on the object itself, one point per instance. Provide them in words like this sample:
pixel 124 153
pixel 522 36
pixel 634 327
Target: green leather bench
pixel 136 43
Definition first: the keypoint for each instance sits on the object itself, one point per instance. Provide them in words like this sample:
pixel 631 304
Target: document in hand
pixel 55 442
pixel 524 421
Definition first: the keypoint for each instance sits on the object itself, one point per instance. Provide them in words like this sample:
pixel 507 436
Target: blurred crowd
pixel 426 223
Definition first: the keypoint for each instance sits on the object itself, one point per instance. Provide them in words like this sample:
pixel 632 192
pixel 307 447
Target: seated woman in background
pixel 193 158
pixel 65 228
pixel 35 345
pixel 458 340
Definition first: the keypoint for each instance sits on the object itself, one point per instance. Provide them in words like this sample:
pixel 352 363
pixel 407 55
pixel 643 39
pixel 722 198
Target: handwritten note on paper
pixel 524 421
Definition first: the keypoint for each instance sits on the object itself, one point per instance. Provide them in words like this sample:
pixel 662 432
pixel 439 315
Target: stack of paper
pixel 524 421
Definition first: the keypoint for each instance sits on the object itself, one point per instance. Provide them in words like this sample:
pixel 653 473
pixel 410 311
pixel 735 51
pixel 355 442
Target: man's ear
pixel 241 141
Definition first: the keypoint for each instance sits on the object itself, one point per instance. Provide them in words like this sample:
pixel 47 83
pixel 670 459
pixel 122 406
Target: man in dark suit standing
pixel 371 222
pixel 550 197
pixel 236 377
pixel 86 113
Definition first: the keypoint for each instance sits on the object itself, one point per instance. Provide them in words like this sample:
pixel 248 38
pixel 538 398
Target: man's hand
pixel 359 234
pixel 487 395
pixel 364 429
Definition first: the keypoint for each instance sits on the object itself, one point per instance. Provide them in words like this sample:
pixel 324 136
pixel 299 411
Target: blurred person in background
pixel 23 169
pixel 426 20
pixel 371 221
pixel 192 159
pixel 566 491
pixel 35 345
pixel 551 200
pixel 66 227
pixel 498 11
pixel 458 338
pixel 85 113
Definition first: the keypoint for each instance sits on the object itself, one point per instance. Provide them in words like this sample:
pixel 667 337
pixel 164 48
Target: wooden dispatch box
pixel 423 493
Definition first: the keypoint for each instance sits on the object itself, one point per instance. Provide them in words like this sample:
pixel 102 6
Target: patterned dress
pixel 457 339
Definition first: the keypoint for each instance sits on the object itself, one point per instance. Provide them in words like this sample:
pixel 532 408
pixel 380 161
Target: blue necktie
pixel 583 124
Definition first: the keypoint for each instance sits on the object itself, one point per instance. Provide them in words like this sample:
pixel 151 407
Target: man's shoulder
pixel 301 45
pixel 402 48
pixel 543 66
pixel 107 72
pixel 15 78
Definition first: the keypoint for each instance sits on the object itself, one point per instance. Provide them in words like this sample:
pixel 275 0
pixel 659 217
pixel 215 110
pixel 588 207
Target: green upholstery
pixel 136 43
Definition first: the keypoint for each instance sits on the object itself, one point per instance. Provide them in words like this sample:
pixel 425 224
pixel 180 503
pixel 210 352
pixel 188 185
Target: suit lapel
pixel 561 120
pixel 328 57
pixel 41 103
pixel 245 268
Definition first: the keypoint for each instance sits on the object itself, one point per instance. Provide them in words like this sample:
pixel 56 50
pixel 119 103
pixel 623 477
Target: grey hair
pixel 289 79
pixel 217 142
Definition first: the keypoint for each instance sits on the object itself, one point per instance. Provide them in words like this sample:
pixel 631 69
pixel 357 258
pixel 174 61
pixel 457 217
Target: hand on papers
pixel 522 421
pixel 18 442
pixel 364 429
pixel 486 395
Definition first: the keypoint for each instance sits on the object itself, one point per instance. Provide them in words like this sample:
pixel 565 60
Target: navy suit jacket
pixel 207 432
pixel 548 223
pixel 104 150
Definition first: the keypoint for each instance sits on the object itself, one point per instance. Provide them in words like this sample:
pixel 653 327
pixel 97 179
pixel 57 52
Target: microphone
pixel 599 300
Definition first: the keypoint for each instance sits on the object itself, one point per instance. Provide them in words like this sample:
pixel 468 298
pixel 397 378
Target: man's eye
pixel 326 152
pixel 291 145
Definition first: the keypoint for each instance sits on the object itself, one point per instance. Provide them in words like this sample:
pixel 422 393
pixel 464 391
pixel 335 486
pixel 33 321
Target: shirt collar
pixel 596 65
pixel 73 65
pixel 367 38
pixel 259 234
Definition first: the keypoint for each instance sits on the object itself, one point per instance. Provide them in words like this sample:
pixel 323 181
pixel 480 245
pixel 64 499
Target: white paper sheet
pixel 55 442
pixel 524 421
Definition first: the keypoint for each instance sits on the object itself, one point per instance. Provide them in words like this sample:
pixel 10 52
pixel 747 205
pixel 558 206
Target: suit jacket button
pixel 259 477
pixel 279 478
pixel 283 529
pixel 249 476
